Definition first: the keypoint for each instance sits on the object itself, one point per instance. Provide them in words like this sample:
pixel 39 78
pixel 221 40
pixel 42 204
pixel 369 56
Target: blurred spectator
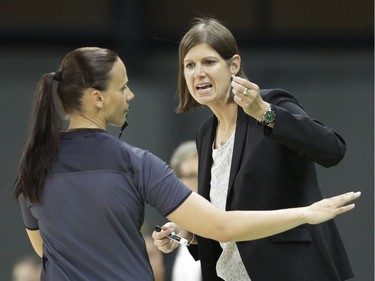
pixel 27 268
pixel 184 162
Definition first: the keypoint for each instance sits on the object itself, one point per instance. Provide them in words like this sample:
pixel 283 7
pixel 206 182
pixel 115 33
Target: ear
pixel 235 64
pixel 97 98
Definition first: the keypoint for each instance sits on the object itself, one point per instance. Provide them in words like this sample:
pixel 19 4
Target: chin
pixel 117 124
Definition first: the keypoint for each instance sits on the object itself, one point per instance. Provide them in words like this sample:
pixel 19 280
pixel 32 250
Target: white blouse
pixel 229 265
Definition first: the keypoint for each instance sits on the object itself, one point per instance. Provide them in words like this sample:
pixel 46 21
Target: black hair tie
pixel 57 76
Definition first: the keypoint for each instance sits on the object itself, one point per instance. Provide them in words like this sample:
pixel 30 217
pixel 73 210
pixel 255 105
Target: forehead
pixel 201 50
pixel 118 72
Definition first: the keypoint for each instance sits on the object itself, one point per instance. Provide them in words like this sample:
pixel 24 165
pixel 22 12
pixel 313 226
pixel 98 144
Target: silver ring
pixel 245 92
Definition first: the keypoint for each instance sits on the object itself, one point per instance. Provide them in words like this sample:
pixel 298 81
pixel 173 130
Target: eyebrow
pixel 204 58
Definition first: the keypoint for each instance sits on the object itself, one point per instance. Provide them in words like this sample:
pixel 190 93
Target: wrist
pixel 191 238
pixel 302 216
pixel 268 116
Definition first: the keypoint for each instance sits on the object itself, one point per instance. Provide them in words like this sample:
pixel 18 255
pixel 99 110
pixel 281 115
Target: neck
pixel 81 121
pixel 226 125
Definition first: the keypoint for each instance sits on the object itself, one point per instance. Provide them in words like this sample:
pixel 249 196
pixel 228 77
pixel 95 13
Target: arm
pixel 199 216
pixel 36 241
pixel 296 130
pixel 293 127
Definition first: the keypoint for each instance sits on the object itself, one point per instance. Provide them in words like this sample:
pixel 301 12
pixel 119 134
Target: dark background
pixel 321 51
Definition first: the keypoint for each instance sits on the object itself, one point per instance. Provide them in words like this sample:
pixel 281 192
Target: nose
pixel 130 96
pixel 199 71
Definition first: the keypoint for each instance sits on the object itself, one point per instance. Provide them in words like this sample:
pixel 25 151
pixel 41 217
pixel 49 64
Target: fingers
pixel 161 236
pixel 168 247
pixel 247 95
pixel 244 87
pixel 344 209
pixel 162 242
pixel 329 208
pixel 343 199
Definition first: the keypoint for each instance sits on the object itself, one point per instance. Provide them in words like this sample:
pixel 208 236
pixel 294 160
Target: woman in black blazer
pixel 256 152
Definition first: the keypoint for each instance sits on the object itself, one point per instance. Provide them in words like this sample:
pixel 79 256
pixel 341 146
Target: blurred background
pixel 321 51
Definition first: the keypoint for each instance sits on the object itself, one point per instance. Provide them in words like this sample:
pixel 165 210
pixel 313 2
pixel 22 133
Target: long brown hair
pixel 80 69
pixel 212 32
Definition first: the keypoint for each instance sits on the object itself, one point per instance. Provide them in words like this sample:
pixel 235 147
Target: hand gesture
pixel 329 208
pixel 247 95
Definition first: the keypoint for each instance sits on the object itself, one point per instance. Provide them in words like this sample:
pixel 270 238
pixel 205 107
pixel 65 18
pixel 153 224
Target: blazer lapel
pixel 205 158
pixel 239 145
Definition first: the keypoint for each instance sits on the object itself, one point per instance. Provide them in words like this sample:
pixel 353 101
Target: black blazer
pixel 273 169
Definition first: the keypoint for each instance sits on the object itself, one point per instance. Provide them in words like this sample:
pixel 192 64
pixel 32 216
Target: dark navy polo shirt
pixel 93 208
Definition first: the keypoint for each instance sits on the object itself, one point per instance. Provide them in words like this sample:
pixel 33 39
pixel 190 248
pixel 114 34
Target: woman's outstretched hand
pixel 250 225
pixel 329 208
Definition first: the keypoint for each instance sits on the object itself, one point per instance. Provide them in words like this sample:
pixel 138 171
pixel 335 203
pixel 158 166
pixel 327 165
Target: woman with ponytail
pixel 82 191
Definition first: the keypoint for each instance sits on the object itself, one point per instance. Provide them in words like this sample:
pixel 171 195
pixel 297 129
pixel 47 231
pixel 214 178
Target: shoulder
pixel 207 124
pixel 277 95
pixel 119 144
pixel 128 154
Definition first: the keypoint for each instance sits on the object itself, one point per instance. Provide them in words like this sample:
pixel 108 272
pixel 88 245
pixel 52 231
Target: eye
pixel 124 88
pixel 209 62
pixel 189 65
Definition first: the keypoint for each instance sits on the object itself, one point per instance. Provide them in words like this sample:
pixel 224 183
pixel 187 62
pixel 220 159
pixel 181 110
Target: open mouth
pixel 204 87
pixel 127 110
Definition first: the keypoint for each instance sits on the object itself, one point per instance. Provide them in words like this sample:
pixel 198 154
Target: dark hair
pixel 82 68
pixel 212 32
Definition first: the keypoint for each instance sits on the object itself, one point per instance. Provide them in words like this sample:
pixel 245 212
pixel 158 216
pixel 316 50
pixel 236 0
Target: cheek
pixel 191 89
pixel 188 76
pixel 189 84
pixel 117 106
pixel 121 99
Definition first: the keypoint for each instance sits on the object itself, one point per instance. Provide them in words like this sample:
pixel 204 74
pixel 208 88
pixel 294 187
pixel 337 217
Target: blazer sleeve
pixel 295 129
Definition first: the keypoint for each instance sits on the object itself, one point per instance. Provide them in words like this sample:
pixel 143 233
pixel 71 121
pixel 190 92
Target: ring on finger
pixel 245 92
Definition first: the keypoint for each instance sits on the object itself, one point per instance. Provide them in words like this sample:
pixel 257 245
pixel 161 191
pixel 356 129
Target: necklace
pixel 226 129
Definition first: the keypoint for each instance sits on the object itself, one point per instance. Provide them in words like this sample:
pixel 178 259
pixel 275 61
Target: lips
pixel 203 89
pixel 203 86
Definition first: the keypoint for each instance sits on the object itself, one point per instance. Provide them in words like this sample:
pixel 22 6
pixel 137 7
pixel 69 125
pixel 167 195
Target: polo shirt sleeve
pixel 161 187
pixel 29 221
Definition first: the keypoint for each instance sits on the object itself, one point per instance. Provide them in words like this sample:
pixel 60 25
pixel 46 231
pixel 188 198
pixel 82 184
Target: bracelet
pixel 192 239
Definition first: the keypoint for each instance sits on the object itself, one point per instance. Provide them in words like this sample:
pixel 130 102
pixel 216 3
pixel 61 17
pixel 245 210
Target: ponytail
pixel 80 69
pixel 41 144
